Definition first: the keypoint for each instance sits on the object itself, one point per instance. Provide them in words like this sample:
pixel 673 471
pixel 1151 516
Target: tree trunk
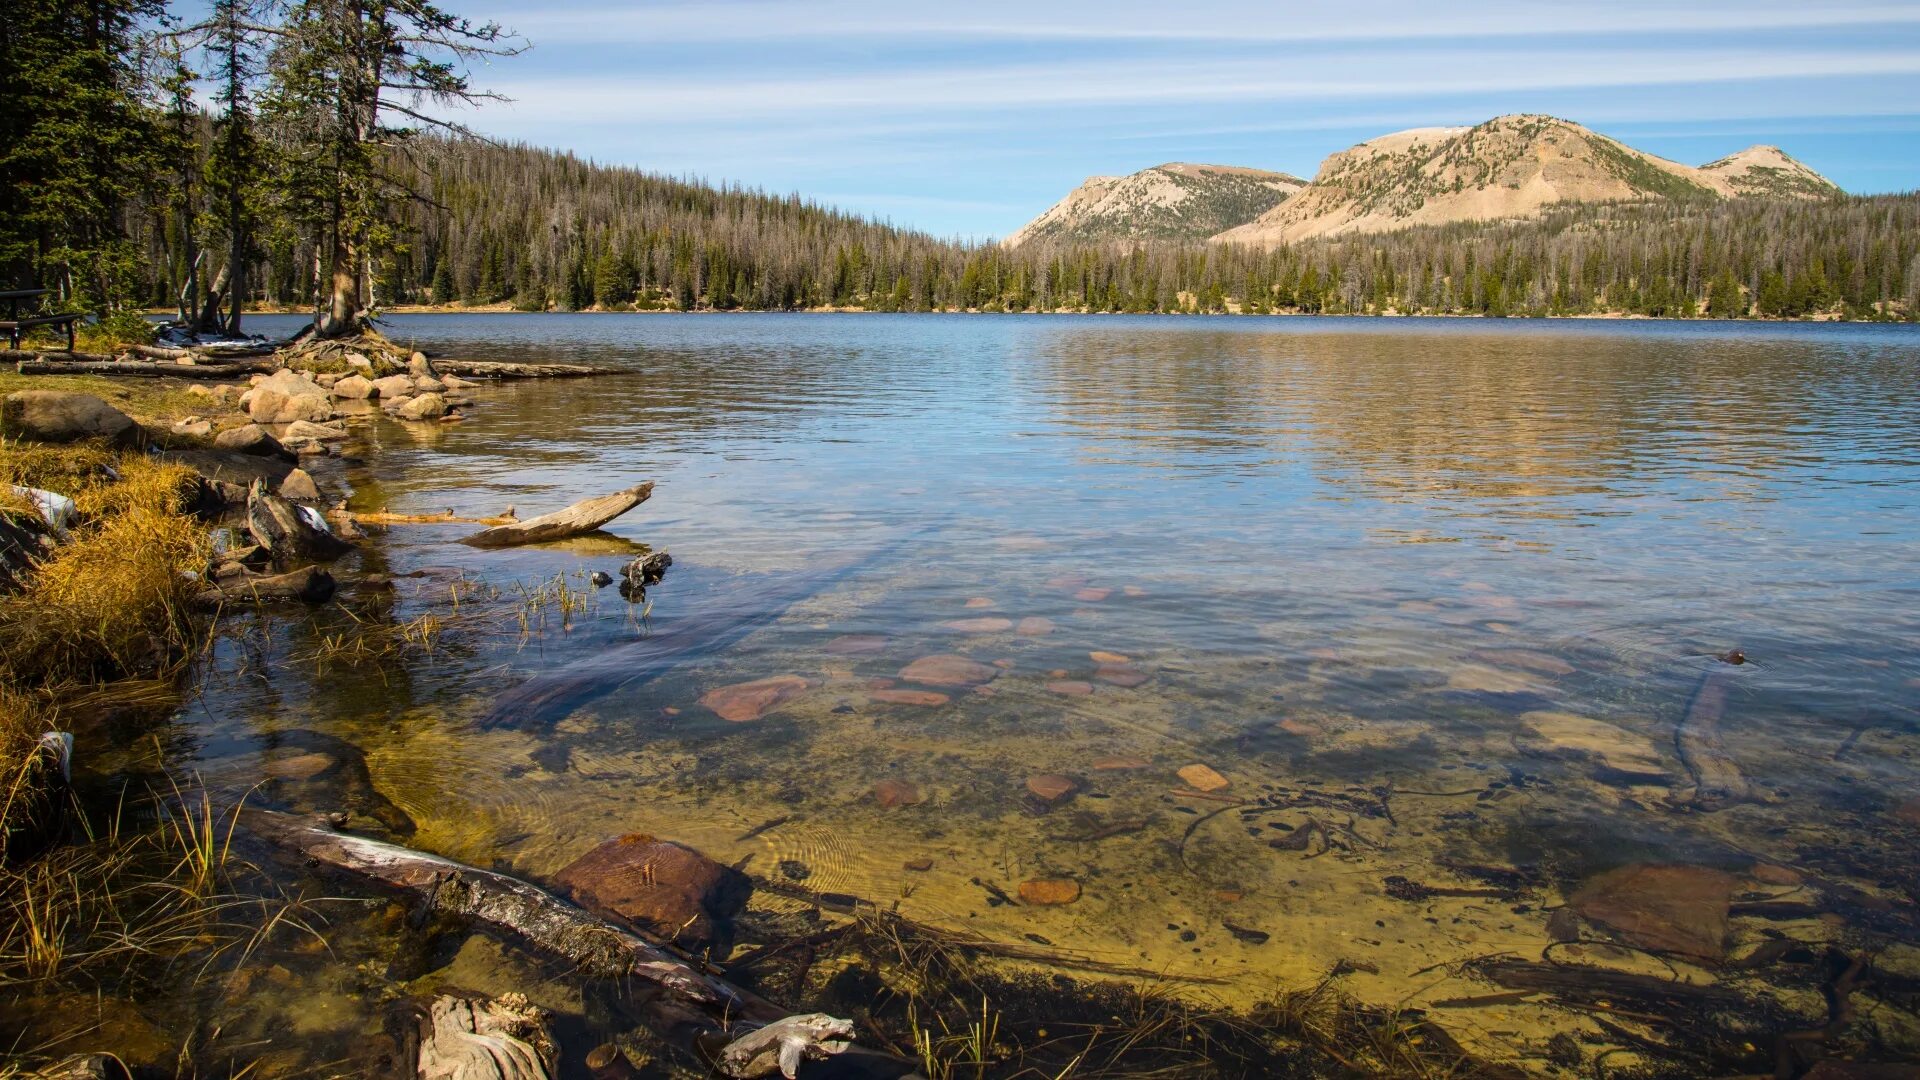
pixel 342 318
pixel 208 319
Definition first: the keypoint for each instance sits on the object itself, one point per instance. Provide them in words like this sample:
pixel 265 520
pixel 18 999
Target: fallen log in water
pixel 688 1007
pixel 308 584
pixel 490 369
pixel 382 517
pixel 143 368
pixel 1717 779
pixel 581 517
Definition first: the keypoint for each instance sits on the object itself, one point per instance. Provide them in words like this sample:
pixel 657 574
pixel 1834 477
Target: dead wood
pixel 581 517
pixel 106 365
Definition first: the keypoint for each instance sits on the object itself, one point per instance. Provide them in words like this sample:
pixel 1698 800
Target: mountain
pixel 1175 201
pixel 1508 167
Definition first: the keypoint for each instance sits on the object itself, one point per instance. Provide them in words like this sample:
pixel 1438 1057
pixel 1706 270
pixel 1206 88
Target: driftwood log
pixel 684 1005
pixel 491 369
pixel 308 584
pixel 469 1037
pixel 146 368
pixel 381 517
pixel 581 517
pixel 1717 779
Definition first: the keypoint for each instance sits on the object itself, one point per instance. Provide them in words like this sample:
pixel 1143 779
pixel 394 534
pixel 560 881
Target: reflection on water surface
pixel 1436 604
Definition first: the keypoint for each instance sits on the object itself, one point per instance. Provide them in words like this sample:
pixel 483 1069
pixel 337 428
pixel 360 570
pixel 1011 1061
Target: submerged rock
pixel 1092 595
pixel 1121 675
pixel 991 624
pixel 1051 788
pixel 1049 892
pixel 1120 762
pixel 944 669
pixel 1666 908
pixel 1202 778
pixel 855 645
pixel 1558 734
pixel 1070 687
pixel 893 794
pixel 1034 626
pixel 1524 659
pixel 665 888
pixel 888 696
pixel 752 700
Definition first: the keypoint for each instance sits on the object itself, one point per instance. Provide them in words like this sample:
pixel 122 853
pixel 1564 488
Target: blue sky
pixel 969 118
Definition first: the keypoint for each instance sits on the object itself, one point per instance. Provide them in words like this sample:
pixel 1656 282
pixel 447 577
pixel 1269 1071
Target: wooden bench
pixel 13 324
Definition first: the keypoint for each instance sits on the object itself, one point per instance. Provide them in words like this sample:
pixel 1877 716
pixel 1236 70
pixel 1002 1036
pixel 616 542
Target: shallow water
pixel 1339 559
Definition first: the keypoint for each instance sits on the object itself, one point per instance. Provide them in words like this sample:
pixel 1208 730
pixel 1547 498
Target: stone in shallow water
pixel 893 794
pixel 1773 874
pixel 1092 595
pixel 1559 734
pixel 1300 728
pixel 299 766
pixel 1121 761
pixel 944 669
pixel 1667 908
pixel 1101 657
pixel 908 697
pixel 1051 788
pixel 1133 592
pixel 1479 679
pixel 1202 778
pixel 855 645
pixel 752 700
pixel 979 602
pixel 1120 675
pixel 1034 626
pixel 1049 892
pixel 991 624
pixel 918 866
pixel 1070 687
pixel 1067 581
pixel 667 889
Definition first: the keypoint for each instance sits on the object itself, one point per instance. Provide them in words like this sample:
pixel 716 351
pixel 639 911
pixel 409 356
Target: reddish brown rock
pixel 752 700
pixel 1070 687
pixel 1298 727
pixel 1101 657
pixel 1004 664
pixel 1051 788
pixel 1908 812
pixel 947 670
pixel 1120 675
pixel 880 682
pixel 1034 626
pixel 1049 892
pixel 668 890
pixel 1133 592
pixel 918 866
pixel 1202 778
pixel 990 624
pixel 1067 581
pixel 855 645
pixel 1120 762
pixel 909 697
pixel 979 602
pixel 1092 594
pixel 299 766
pixel 893 794
pixel 1678 909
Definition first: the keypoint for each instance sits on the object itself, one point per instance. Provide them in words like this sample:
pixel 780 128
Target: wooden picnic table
pixel 13 323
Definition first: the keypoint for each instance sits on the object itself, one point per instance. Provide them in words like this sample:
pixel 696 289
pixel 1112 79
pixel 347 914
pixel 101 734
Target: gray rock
pixel 250 439
pixel 424 407
pixel 56 416
pixel 304 429
pixel 393 386
pixel 291 532
pixel 299 487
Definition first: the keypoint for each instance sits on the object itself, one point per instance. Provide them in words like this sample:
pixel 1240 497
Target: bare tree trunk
pixel 208 319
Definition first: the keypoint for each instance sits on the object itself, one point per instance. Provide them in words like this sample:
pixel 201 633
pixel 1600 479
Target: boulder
pixel 57 416
pixel 455 382
pixel 427 384
pixel 359 361
pixel 292 533
pixel 423 407
pixel 393 386
pixel 417 365
pixel 667 889
pixel 193 427
pixel 299 487
pixel 353 388
pixel 305 429
pixel 1051 788
pixel 1665 908
pixel 287 396
pixel 327 380
pixel 250 439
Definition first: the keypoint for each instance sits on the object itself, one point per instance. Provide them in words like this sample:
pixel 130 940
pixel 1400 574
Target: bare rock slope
pixel 1176 201
pixel 1508 167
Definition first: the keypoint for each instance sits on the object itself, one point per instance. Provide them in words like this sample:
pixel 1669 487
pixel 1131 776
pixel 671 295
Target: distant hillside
pixel 1176 201
pixel 1508 167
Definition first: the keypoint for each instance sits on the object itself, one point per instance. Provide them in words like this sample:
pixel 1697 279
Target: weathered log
pixel 469 1037
pixel 382 517
pixel 581 517
pixel 309 584
pixel 1717 779
pixel 489 369
pixel 75 356
pixel 690 1008
pixel 142 368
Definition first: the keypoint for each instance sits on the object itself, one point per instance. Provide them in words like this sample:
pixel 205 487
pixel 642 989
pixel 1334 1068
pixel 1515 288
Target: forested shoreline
pixel 234 165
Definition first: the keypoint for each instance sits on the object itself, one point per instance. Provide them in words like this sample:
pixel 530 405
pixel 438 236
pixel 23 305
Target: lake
pixel 1444 608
